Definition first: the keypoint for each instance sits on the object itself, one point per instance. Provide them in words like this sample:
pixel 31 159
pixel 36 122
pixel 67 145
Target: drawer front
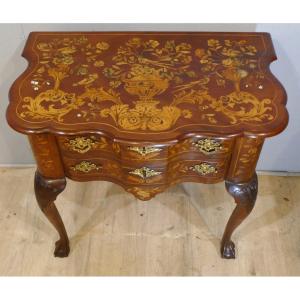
pixel 98 146
pixel 93 157
pixel 181 171
pixel 92 169
pixel 202 147
pixel 208 171
pixel 191 148
pixel 147 174
pixel 87 146
pixel 95 168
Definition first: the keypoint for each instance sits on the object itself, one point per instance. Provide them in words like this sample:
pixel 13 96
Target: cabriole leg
pixel 46 191
pixel 244 195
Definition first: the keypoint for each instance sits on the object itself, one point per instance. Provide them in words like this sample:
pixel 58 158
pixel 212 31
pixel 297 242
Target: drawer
pixel 202 147
pixel 190 148
pixel 97 146
pixel 206 171
pixel 92 169
pixel 102 168
pixel 177 170
pixel 87 146
pixel 93 157
pixel 182 171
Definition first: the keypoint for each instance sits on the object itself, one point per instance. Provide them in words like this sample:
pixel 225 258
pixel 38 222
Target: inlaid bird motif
pixel 88 80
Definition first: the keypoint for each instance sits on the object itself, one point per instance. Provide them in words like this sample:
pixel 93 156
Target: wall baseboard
pixel 278 173
pixel 17 165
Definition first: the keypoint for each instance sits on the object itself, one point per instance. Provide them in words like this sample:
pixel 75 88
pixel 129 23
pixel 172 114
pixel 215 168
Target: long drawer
pixel 205 171
pixel 98 146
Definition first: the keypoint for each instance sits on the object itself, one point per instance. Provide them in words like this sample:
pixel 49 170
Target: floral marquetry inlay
pixel 143 82
pixel 145 193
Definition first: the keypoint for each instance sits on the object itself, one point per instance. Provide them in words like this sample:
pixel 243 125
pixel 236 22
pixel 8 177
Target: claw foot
pixel 228 250
pixel 62 249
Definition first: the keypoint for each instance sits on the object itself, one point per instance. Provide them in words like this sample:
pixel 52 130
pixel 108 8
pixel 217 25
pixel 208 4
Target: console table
pixel 147 110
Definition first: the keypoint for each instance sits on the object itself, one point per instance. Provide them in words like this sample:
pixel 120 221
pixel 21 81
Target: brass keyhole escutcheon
pixel 204 169
pixel 144 151
pixel 81 144
pixel 145 172
pixel 85 167
pixel 208 146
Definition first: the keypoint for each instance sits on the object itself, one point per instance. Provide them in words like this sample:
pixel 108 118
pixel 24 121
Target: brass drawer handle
pixel 144 150
pixel 81 144
pixel 204 169
pixel 85 167
pixel 145 172
pixel 208 146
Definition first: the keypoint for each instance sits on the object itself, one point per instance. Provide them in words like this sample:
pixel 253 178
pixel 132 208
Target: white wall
pixel 279 153
pixel 282 152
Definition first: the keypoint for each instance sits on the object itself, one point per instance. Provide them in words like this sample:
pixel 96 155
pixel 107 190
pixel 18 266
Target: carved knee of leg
pixel 46 190
pixel 243 193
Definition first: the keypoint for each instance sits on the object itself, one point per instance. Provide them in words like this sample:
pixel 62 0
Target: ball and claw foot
pixel 62 249
pixel 228 250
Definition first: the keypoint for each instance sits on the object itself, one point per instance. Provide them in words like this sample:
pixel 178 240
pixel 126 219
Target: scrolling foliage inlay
pixel 143 70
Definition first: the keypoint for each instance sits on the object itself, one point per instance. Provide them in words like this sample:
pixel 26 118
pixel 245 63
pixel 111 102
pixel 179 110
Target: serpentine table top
pixel 148 85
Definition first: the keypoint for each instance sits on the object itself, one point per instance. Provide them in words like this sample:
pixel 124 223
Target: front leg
pixel 244 195
pixel 46 191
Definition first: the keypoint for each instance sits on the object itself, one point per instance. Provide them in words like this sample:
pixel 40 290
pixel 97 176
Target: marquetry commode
pixel 147 110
